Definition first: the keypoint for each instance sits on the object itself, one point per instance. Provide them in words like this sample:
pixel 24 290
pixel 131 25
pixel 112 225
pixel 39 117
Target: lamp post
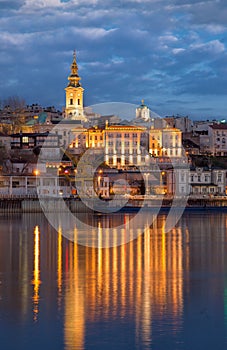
pixel 163 181
pixel 146 183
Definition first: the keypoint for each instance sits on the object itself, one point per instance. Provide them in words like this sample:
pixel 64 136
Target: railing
pixel 18 196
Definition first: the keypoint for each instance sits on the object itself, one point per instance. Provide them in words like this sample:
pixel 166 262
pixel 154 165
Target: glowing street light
pixel 36 172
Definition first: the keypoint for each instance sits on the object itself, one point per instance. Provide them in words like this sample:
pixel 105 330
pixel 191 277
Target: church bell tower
pixel 74 94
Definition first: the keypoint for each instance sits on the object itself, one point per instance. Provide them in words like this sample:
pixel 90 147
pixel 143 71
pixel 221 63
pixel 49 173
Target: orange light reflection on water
pixel 36 273
pixel 141 278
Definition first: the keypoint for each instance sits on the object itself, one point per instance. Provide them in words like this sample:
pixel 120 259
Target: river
pixel 158 291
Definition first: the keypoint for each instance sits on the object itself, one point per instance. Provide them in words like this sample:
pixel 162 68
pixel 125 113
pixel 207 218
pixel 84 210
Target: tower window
pixel 78 101
pixel 71 101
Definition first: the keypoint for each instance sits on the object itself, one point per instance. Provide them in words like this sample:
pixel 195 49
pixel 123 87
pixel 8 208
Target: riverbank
pixel 58 205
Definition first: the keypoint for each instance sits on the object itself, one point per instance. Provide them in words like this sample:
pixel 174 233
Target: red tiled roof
pixel 219 126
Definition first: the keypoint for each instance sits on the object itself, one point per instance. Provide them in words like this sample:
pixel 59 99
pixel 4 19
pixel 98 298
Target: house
pixel 218 139
pixel 165 142
pixel 197 181
pixel 33 140
pixel 206 181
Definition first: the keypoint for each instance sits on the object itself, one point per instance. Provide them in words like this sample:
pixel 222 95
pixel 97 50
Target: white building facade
pixel 196 182
pixel 218 139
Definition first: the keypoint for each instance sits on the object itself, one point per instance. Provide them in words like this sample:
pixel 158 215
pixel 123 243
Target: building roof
pixel 219 126
pixel 35 134
pixel 40 119
pixel 190 144
pixel 125 127
pixel 70 121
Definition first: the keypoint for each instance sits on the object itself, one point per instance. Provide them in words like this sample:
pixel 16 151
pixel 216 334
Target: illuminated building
pixel 79 140
pixel 74 108
pixel 87 138
pixel 96 137
pixel 125 145
pixel 122 145
pixel 101 184
pixel 143 112
pixel 155 144
pixel 165 142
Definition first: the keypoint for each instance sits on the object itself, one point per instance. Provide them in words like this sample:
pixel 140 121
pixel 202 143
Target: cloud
pixel 126 50
pixel 178 50
pixel 93 33
pixel 215 28
pixel 14 39
pixel 33 4
pixel 168 38
pixel 214 47
pixel 207 12
pixel 11 4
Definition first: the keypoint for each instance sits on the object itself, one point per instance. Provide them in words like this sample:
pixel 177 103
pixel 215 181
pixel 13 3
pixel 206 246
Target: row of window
pixel 126 162
pixel 205 178
pixel 171 137
pixel 120 135
pixel 119 143
pixel 219 133
pixel 96 138
pixel 166 153
pixel 126 151
pixel 223 139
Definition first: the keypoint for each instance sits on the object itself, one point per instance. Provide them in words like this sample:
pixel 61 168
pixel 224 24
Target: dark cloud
pixel 157 50
pixel 209 12
pixel 11 5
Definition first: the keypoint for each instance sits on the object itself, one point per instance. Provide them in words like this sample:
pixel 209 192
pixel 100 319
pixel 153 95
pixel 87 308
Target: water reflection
pixel 36 272
pixel 59 268
pixel 74 324
pixel 135 280
pixel 135 296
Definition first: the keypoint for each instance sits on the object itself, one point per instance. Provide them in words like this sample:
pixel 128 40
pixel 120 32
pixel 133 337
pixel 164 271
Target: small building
pixel 102 185
pixel 42 185
pixel 165 142
pixel 143 112
pixel 33 140
pixel 205 181
pixel 197 181
pixel 179 122
pixel 178 181
pixel 218 139
pixel 190 147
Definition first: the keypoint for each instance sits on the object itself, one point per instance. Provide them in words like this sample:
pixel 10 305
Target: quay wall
pixel 33 205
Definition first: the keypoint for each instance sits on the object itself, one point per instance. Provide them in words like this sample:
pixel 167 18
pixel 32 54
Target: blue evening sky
pixel 170 53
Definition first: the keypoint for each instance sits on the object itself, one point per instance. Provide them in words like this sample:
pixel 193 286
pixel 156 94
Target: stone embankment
pixel 58 205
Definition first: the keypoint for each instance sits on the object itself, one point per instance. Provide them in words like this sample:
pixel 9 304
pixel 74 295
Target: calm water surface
pixel 159 291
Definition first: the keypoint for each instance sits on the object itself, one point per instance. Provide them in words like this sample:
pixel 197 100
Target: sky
pixel 170 53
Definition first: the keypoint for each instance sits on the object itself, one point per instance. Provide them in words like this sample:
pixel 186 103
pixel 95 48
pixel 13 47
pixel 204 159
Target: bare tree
pixel 14 103
pixel 15 106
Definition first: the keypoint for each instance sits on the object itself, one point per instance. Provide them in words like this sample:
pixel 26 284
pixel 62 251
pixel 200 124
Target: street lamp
pixel 36 172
